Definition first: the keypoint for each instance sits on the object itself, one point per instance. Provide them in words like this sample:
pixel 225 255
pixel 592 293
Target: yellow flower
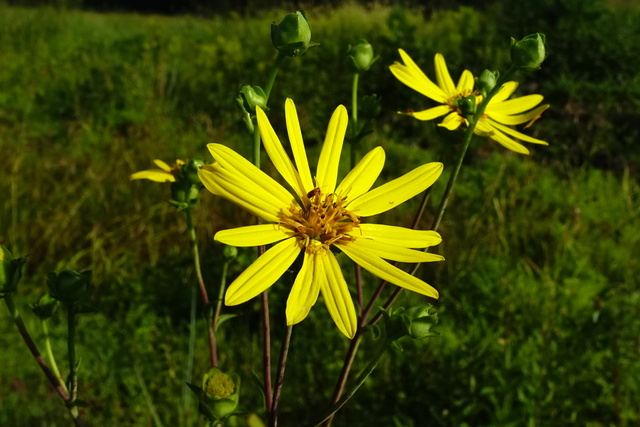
pixel 499 115
pixel 315 217
pixel 166 173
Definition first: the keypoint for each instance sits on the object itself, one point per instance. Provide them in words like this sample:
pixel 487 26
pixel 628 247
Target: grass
pixel 539 293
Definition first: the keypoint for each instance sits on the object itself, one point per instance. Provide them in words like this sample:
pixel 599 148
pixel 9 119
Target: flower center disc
pixel 322 221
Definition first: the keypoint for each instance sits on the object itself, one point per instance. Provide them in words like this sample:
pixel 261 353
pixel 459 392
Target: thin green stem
pixel 328 415
pixel 186 392
pixel 49 352
pixel 271 78
pixel 22 329
pixel 223 285
pixel 284 352
pixel 201 286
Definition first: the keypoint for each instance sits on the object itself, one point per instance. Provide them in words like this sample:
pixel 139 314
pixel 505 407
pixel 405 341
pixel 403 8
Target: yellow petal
pixel 278 156
pixel 336 294
pixel 452 121
pixel 241 191
pixel 378 267
pixel 393 252
pixel 485 129
pixel 156 175
pixel 466 82
pixel 241 167
pixel 443 77
pixel 506 119
pixel 516 134
pixel 395 192
pixel 505 92
pixel 327 172
pixel 263 272
pixel 305 290
pixel 399 236
pixel 430 113
pixel 363 175
pixel 162 165
pixel 514 106
pixel 297 145
pixel 252 235
pixel 412 76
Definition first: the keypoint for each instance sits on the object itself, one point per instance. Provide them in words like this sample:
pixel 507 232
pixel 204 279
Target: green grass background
pixel 539 301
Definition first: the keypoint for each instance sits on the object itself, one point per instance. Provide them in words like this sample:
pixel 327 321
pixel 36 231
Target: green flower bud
pixel 528 53
pixel 10 271
pixel 253 96
pixel 292 36
pixel 184 193
pixel 190 171
pixel 70 286
pixel 220 394
pixel 419 321
pixel 229 252
pixel 45 307
pixel 467 105
pixel 361 55
pixel 416 322
pixel 487 81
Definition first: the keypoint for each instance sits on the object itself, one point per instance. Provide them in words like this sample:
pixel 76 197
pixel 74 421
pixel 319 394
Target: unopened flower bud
pixel 220 393
pixel 229 252
pixel 416 322
pixel 45 307
pixel 292 36
pixel 190 171
pixel 419 321
pixel 487 81
pixel 184 193
pixel 527 54
pixel 467 105
pixel 70 286
pixel 361 55
pixel 253 96
pixel 10 271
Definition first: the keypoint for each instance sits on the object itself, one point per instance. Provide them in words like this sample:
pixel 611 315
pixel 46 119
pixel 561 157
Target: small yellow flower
pixel 499 115
pixel 317 216
pixel 165 173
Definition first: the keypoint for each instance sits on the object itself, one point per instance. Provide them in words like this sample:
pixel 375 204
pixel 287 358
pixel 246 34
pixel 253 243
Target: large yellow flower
pixel 316 216
pixel 499 115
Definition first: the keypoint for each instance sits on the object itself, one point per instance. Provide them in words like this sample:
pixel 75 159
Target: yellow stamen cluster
pixel 219 386
pixel 322 221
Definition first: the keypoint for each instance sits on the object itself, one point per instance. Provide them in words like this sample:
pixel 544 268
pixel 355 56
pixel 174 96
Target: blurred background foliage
pixel 539 293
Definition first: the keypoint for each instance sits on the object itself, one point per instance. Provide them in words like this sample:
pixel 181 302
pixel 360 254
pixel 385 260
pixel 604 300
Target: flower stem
pixel 273 73
pixel 22 329
pixel 223 285
pixel 49 352
pixel 71 349
pixel 203 289
pixel 335 407
pixel 284 352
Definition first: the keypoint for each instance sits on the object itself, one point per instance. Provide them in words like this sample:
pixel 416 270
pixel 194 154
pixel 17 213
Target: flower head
pixel 165 173
pixel 499 114
pixel 319 215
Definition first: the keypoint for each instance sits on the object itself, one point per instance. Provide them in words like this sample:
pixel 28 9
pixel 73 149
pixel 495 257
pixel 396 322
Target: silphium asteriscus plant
pixel 317 217
pixel 499 115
